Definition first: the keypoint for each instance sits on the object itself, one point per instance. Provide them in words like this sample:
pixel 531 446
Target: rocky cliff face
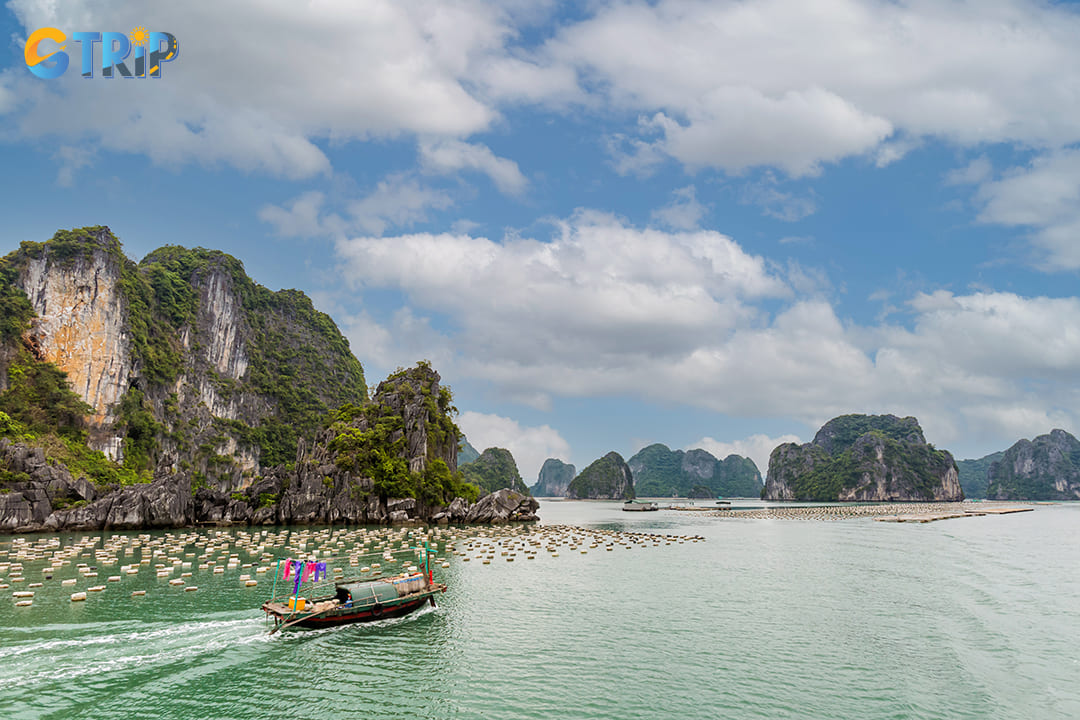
pixel 213 387
pixel 80 327
pixel 386 462
pixel 555 476
pixel 188 364
pixel 608 478
pixel 865 458
pixel 1046 468
pixel 662 472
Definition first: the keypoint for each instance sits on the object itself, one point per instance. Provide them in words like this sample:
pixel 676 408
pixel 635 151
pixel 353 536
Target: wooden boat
pixel 634 506
pixel 343 602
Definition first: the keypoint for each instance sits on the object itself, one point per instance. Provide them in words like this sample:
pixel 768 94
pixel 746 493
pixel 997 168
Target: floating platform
pixel 931 517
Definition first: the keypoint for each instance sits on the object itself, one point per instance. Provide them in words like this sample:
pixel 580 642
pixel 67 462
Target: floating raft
pixel 931 517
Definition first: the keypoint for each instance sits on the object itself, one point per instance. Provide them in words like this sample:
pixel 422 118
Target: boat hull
pixel 362 615
pixel 285 618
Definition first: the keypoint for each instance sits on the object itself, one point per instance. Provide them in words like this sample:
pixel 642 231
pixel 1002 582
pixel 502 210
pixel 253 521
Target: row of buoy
pixel 837 512
pixel 220 551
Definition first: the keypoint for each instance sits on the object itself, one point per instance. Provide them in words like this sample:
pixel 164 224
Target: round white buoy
pixel 76 597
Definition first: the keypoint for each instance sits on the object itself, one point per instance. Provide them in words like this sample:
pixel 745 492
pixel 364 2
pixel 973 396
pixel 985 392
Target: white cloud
pixel 684 212
pixel 740 127
pixel 530 446
pixel 776 203
pixel 1045 197
pixel 600 289
pixel 976 172
pixel 260 99
pixel 302 217
pixel 8 94
pixel 792 85
pixel 398 201
pixel 71 159
pixel 756 447
pixel 605 309
pixel 448 156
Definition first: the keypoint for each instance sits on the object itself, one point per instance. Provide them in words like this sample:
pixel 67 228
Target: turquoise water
pixel 970 618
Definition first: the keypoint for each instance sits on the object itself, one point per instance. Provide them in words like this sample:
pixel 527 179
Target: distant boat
pixel 634 506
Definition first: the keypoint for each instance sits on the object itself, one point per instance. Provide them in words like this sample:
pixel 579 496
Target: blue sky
pixel 707 224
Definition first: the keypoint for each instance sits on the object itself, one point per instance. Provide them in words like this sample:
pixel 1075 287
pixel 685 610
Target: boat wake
pixel 34 663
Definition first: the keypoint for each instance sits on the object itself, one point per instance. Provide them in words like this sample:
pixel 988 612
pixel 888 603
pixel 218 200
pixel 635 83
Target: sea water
pixel 967 618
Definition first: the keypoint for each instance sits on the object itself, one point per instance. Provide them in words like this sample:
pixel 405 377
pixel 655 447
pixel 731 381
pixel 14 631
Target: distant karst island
pixel 177 391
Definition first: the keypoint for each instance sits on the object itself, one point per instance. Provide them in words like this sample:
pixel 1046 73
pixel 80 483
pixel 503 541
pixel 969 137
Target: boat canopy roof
pixel 372 591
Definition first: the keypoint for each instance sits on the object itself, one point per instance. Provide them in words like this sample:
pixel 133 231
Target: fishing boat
pixel 634 506
pixel 354 600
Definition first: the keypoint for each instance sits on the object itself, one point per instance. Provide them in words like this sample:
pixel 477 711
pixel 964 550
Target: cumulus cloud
pixel 756 447
pixel 1044 197
pixel 71 159
pixel 448 156
pixel 260 98
pixel 398 201
pixel 599 289
pixel 607 309
pixel 792 85
pixel 776 203
pixel 530 446
pixel 684 212
pixel 301 217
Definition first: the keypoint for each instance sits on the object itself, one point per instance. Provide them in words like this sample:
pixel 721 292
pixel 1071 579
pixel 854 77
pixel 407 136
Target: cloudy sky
pixel 707 224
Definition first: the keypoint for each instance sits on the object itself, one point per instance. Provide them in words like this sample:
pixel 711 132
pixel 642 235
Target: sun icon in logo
pixel 139 36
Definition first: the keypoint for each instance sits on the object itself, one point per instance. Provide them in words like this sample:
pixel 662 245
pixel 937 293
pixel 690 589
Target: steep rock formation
pixel 865 458
pixel 466 453
pixel 662 472
pixel 555 476
pixel 188 365
pixel 974 474
pixel 80 327
pixel 1046 468
pixel 608 478
pixel 387 462
pixel 494 470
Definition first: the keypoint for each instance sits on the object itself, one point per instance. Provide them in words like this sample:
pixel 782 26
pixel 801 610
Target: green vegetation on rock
pixel 466 452
pixel 1045 468
pixel 372 440
pixel 40 410
pixel 974 474
pixel 494 470
pixel 607 478
pixel 294 365
pixel 863 457
pixel 662 472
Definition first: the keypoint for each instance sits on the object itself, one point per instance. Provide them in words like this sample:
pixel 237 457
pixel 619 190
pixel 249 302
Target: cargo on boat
pixel 347 601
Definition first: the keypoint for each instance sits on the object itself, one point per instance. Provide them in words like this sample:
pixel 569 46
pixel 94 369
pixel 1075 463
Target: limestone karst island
pixel 480 360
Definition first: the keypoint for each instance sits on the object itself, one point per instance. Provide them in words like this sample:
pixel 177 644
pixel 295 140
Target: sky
pixel 607 224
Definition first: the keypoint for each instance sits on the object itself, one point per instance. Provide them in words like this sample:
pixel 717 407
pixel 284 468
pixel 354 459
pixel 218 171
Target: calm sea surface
pixel 969 618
